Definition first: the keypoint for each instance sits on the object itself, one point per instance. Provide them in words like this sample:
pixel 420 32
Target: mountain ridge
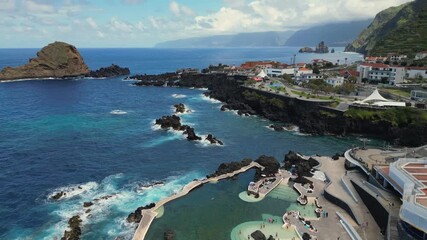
pixel 255 39
pixel 328 33
pixel 401 29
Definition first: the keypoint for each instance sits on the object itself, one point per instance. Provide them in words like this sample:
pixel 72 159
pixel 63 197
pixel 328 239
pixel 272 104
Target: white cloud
pixel 140 26
pixel 36 7
pixel 100 34
pixel 7 5
pixel 117 25
pixel 92 23
pixel 227 20
pixel 264 15
pixel 179 9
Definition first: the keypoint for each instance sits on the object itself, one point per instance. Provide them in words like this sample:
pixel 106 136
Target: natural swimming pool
pixel 214 210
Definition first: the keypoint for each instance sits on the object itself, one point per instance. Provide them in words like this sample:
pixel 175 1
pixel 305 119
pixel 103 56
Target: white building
pixel 421 55
pixel 418 95
pixel 397 75
pixel 276 72
pixel 408 176
pixel 416 72
pixel 381 73
pixel 302 71
pixel 335 81
pixel 394 57
pixel 308 77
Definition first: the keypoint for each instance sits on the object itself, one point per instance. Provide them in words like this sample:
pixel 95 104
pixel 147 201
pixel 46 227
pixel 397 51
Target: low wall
pixel 341 204
pixel 378 212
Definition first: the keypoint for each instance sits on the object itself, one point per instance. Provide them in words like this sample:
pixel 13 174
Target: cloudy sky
pixel 142 23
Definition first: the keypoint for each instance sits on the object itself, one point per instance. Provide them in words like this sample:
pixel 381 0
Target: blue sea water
pixel 60 135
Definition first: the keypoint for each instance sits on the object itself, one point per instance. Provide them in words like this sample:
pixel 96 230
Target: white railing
pixel 349 190
pixel 348 227
pixel 354 161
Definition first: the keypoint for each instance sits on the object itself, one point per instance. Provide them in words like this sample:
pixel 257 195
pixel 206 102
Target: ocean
pixel 61 135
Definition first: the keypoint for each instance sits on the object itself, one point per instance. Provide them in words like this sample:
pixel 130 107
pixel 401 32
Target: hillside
pixel 334 34
pixel 257 39
pixel 401 29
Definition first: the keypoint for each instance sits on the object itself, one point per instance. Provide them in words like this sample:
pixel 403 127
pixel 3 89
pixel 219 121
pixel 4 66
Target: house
pixel 421 55
pixel 346 73
pixel 416 72
pixel 374 72
pixel 301 65
pixel 302 71
pixel 419 95
pixel 335 81
pixel 320 62
pixel 262 65
pixel 397 75
pixel 395 57
pixel 308 77
pixel 276 72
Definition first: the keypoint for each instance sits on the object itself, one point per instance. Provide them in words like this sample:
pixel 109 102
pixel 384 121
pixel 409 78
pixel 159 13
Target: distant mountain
pixel 334 34
pixel 257 39
pixel 401 29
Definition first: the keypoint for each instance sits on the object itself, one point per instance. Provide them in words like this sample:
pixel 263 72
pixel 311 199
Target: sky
pixel 143 23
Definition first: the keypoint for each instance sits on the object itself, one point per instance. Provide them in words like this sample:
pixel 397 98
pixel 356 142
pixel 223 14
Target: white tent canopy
pixel 376 99
pixel 262 74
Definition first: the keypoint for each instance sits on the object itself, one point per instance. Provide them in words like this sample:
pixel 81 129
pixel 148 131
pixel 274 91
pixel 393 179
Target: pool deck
pixel 148 215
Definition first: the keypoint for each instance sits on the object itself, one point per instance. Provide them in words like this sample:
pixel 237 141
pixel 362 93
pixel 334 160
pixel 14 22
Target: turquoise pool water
pixel 213 211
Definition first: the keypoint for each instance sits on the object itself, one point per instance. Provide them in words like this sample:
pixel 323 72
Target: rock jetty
pixel 57 60
pixel 136 216
pixel 75 230
pixel 174 122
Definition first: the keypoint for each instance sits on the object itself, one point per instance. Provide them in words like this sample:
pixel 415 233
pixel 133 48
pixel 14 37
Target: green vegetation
pixel 396 91
pixel 327 114
pixel 309 95
pixel 319 85
pixel 396 116
pixel 255 97
pixel 280 89
pixel 401 29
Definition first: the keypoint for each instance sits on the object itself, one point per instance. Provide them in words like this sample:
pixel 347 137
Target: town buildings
pixel 335 81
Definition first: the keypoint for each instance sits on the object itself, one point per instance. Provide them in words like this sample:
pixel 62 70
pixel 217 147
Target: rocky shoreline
pixel 174 122
pixel 309 117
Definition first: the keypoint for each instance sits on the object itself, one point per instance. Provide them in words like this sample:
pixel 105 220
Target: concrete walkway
pixel 148 215
pixel 342 188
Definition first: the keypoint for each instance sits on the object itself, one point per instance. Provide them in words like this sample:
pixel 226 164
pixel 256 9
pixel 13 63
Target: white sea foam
pixel 319 175
pixel 179 95
pixel 129 80
pixel 112 202
pixel 118 112
pixel 212 100
pixel 30 79
pixel 207 143
pixel 74 190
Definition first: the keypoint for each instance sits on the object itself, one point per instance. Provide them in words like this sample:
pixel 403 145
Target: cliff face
pixel 56 60
pixel 401 29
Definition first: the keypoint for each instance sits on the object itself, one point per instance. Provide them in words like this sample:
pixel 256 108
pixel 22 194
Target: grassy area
pixel 309 95
pixel 396 116
pixel 280 89
pixel 398 92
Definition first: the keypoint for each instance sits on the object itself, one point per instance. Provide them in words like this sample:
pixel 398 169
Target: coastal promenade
pixel 290 95
pixel 148 215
